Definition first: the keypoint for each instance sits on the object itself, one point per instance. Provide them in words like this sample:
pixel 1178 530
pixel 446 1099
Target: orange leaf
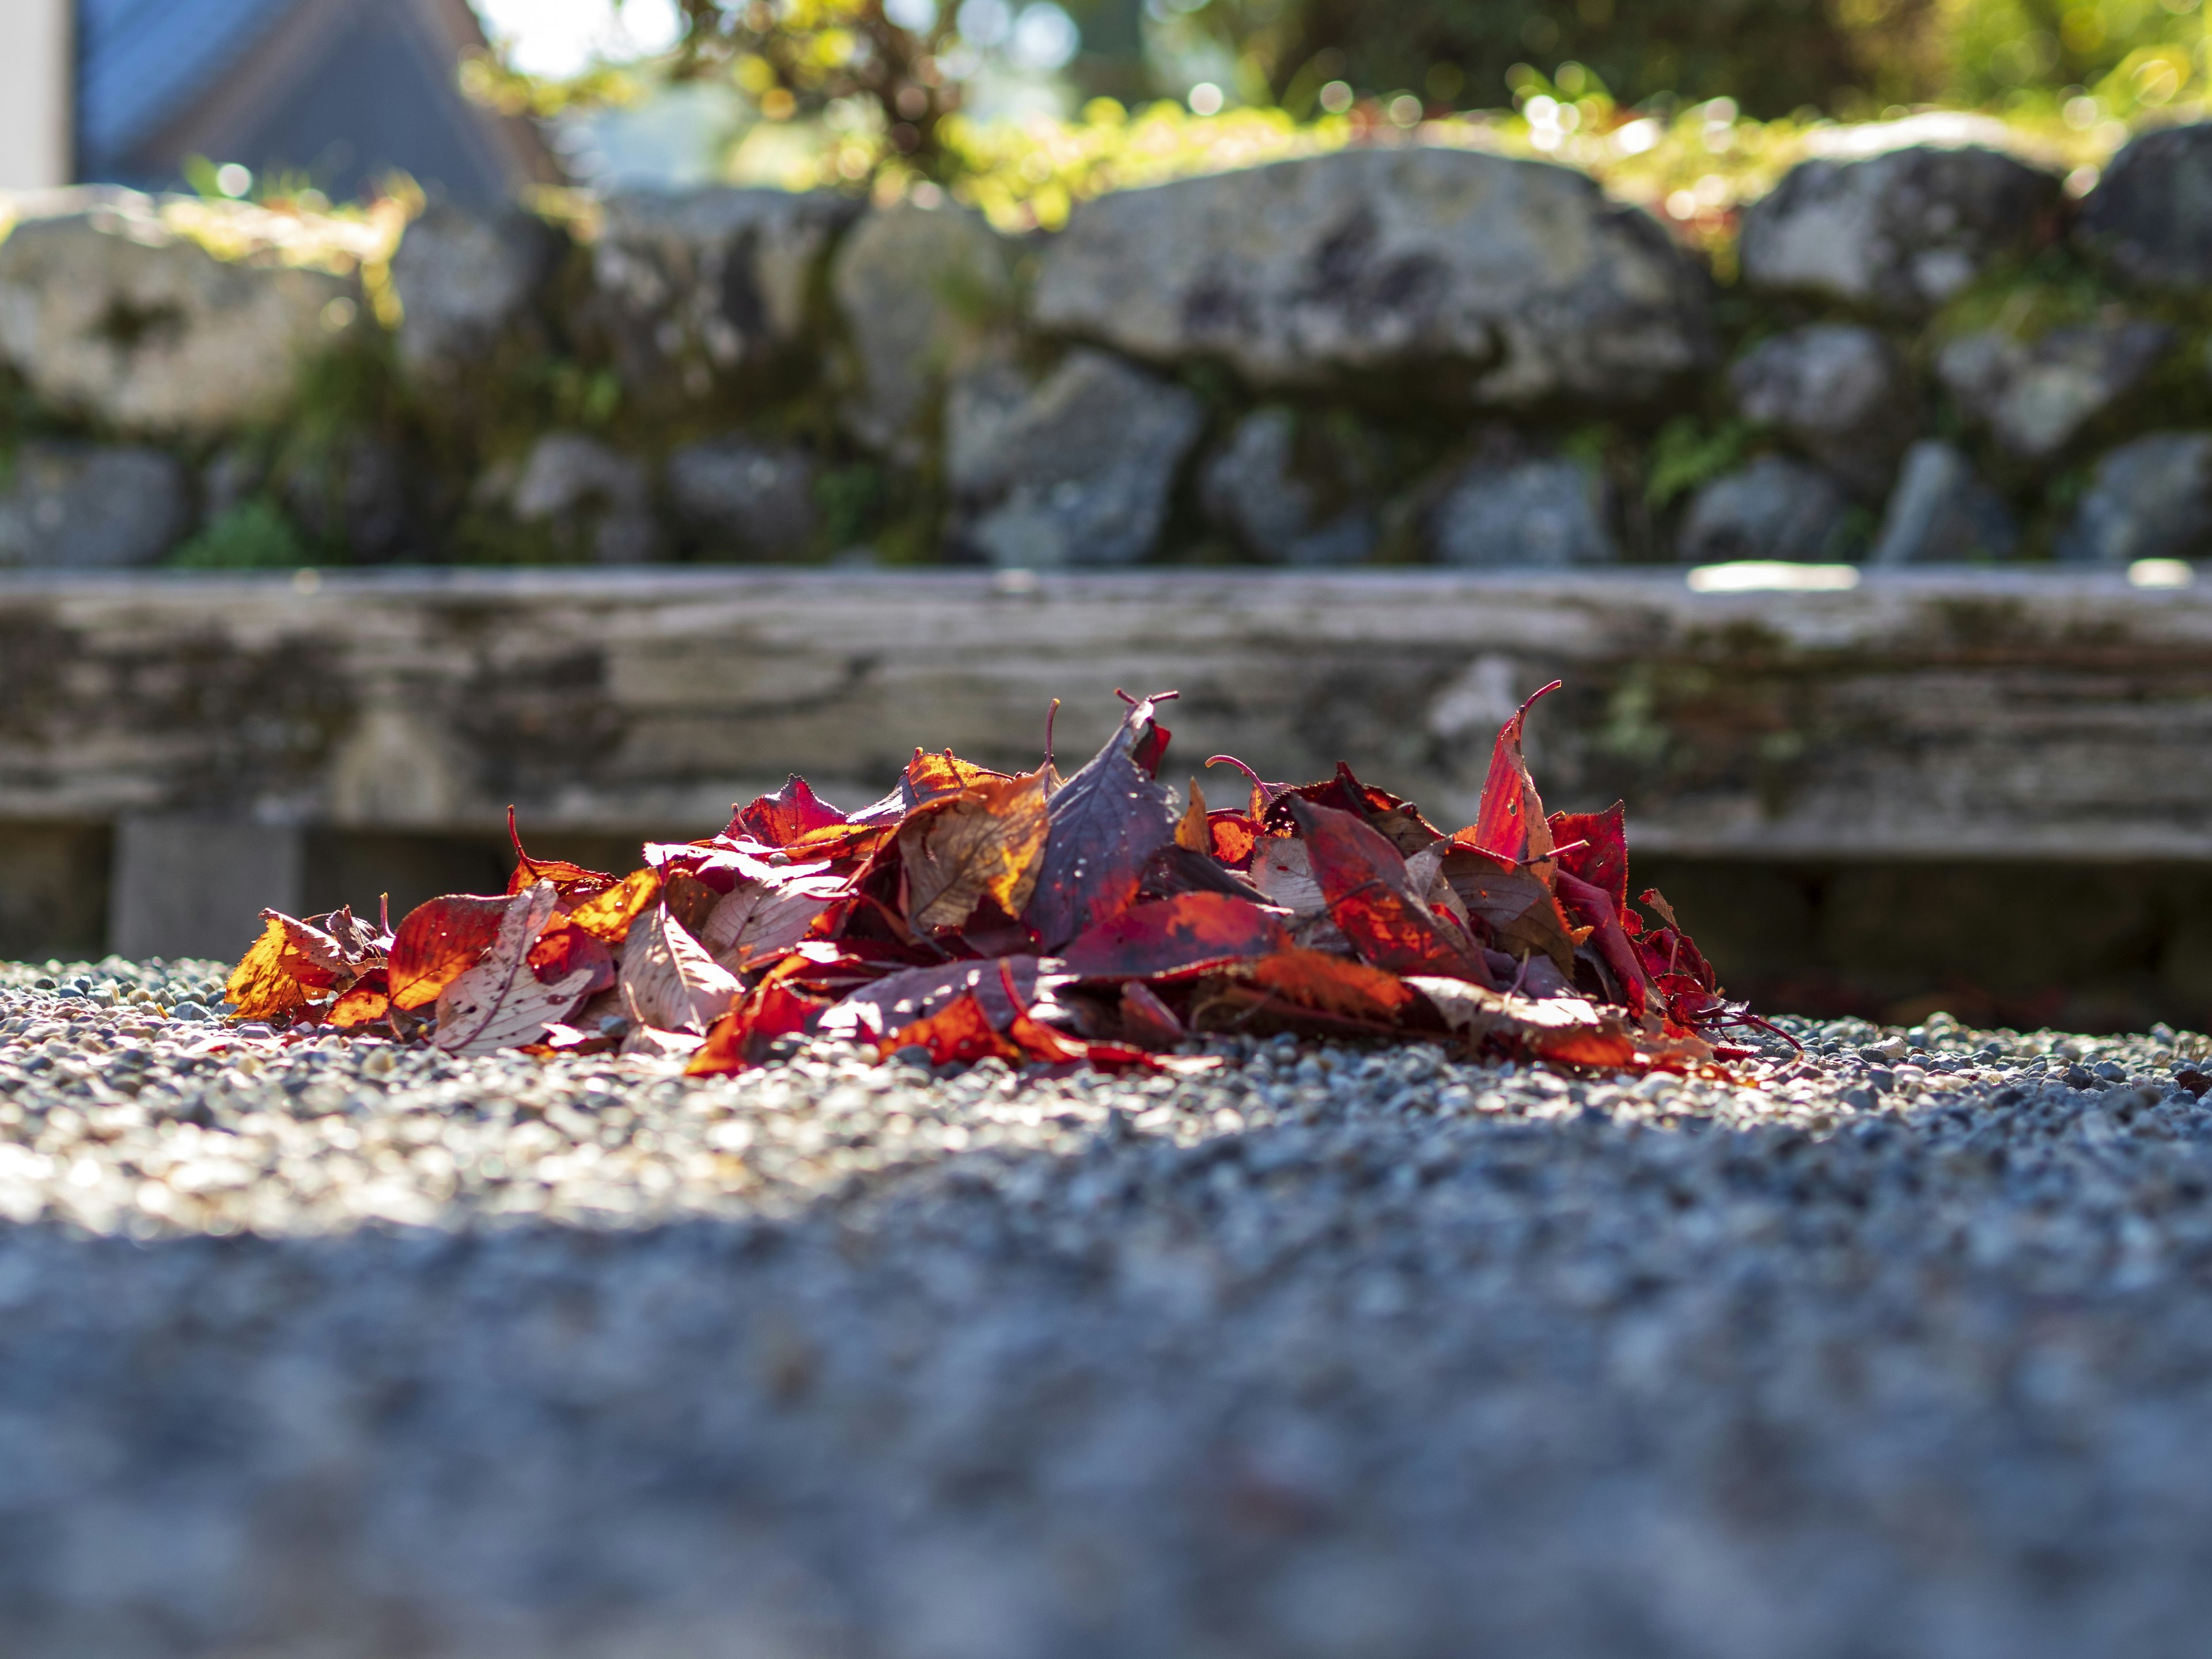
pixel 570 880
pixel 439 942
pixel 260 986
pixel 362 1005
pixel 1193 833
pixel 607 916
pixel 564 948
pixel 931 776
pixel 961 1031
pixel 1332 985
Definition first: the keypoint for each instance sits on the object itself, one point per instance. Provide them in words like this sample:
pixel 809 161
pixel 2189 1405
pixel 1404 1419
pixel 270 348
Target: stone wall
pixel 1391 355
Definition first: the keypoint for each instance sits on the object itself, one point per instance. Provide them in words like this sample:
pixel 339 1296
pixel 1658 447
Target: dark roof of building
pixel 343 92
pixel 141 63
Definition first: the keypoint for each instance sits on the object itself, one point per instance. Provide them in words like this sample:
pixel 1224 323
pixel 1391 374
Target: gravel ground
pixel 346 1352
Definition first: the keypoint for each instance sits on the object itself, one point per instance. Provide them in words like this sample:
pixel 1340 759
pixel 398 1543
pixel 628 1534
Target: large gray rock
pixel 739 495
pixel 1277 503
pixel 112 314
pixel 920 291
pixel 465 282
pixel 1072 470
pixel 1902 232
pixel 2150 219
pixel 2149 499
pixel 91 507
pixel 1505 509
pixel 1771 508
pixel 1467 275
pixel 2034 396
pixel 1942 513
pixel 594 501
pixel 691 288
pixel 1839 391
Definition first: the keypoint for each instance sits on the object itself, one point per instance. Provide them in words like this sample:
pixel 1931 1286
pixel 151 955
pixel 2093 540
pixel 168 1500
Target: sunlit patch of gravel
pixel 1903 1348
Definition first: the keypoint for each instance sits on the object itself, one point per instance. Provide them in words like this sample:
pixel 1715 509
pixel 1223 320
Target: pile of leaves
pixel 1097 918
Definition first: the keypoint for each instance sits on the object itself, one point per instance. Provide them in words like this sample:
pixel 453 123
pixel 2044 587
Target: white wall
pixel 34 94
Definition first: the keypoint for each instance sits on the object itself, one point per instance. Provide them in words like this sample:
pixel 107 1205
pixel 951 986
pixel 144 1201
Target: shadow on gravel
pixel 1389 1386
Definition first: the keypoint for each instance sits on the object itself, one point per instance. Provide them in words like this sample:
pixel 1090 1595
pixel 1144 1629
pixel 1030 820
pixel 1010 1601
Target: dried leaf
pixel 260 986
pixel 1146 1020
pixel 767 912
pixel 564 950
pixel 439 942
pixel 741 1038
pixel 669 981
pixel 1516 908
pixel 1332 985
pixel 986 842
pixel 1566 1030
pixel 1602 859
pixel 362 1005
pixel 1107 822
pixel 932 777
pixel 1594 906
pixel 1510 826
pixel 1363 878
pixel 607 916
pixel 884 1005
pixel 1193 832
pixel 571 881
pixel 960 1032
pixel 499 1004
pixel 777 820
pixel 1187 934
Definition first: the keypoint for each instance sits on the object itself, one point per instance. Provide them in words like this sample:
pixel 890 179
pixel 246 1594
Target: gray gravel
pixel 348 1352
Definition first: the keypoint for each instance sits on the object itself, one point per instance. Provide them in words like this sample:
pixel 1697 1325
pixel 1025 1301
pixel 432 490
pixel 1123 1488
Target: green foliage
pixel 1687 450
pixel 255 535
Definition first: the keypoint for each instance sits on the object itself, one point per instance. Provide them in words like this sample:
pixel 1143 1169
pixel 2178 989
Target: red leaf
pixel 1602 859
pixel 1510 825
pixel 1363 879
pixel 779 819
pixel 1185 934
pixel 1333 985
pixel 1398 820
pixel 1106 821
pixel 1593 906
pixel 564 949
pixel 364 1004
pixel 439 942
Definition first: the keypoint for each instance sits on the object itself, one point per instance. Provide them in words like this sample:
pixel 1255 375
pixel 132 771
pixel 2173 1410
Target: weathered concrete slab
pixel 1926 713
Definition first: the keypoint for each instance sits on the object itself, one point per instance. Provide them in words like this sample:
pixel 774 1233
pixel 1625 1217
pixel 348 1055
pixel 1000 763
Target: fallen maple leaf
pixel 440 941
pixel 984 841
pixel 498 1003
pixel 669 981
pixel 1363 878
pixel 1107 822
pixel 1510 826
pixel 776 820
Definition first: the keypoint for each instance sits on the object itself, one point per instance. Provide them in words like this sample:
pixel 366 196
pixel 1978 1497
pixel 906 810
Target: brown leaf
pixel 1107 822
pixel 1146 1020
pixel 669 981
pixel 1518 909
pixel 986 842
pixel 498 1003
pixel 261 987
pixel 1362 876
pixel 439 942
